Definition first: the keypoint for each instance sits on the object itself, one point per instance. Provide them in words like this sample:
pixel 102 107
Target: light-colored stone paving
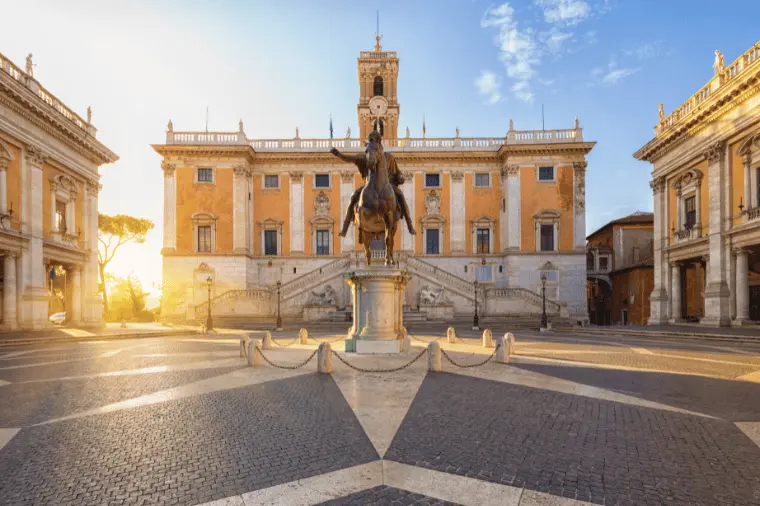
pixel 6 435
pixel 751 429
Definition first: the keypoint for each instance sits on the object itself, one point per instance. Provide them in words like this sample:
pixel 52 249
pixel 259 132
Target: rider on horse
pixel 394 175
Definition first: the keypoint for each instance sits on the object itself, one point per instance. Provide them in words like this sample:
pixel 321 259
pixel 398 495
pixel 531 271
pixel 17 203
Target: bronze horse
pixel 377 210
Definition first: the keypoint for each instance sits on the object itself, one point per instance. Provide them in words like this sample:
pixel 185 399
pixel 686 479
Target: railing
pixel 289 289
pixel 377 54
pixel 405 144
pixel 35 87
pixel 523 293
pixel 753 214
pixel 740 65
pixel 452 281
pixel 201 310
pixel 687 234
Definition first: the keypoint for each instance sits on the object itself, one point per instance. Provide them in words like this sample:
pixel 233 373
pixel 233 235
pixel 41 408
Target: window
pixel 272 181
pixel 482 180
pixel 432 180
pixel 690 208
pixel 377 86
pixel 322 181
pixel 590 262
pixel 483 240
pixel 323 242
pixel 60 216
pixel 604 264
pixel 547 237
pixel 204 238
pixel 546 173
pixel 270 242
pixel 432 241
pixel 205 175
pixel 483 273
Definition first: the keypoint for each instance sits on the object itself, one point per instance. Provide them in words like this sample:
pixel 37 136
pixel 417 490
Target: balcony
pixel 688 233
pixel 753 214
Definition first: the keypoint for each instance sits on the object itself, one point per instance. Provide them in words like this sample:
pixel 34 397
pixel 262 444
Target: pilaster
pixel 240 207
pixel 716 291
pixel 659 296
pixel 742 287
pixel 410 191
pixel 35 293
pixel 346 191
pixel 9 291
pixel 513 206
pixel 579 205
pixel 170 206
pixel 457 206
pixel 296 214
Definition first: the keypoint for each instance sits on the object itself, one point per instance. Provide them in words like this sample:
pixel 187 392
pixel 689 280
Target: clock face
pixel 378 106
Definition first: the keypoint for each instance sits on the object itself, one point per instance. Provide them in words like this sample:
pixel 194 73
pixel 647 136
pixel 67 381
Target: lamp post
pixel 278 325
pixel 209 321
pixel 544 321
pixel 475 325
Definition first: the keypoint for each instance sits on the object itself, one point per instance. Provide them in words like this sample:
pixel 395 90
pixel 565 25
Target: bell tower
pixel 378 104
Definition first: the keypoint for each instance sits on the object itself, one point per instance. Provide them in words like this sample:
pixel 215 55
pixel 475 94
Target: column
pixel 748 204
pixel 35 294
pixel 346 191
pixel 240 206
pixel 296 214
pixel 71 211
pixel 408 189
pixel 457 213
pixel 679 211
pixel 503 216
pixel 4 185
pixel 659 297
pixel 579 205
pixel 9 291
pixel 93 306
pixel 76 295
pixel 716 292
pixel 742 286
pixel 675 293
pixel 53 199
pixel 170 206
pixel 513 206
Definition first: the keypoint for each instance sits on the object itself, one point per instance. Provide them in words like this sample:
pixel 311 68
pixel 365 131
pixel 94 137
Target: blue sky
pixel 282 64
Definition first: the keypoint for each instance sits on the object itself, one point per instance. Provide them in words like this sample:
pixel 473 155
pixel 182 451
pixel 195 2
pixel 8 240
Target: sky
pixel 282 64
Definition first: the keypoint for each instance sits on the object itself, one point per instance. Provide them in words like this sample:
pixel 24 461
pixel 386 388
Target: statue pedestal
pixel 377 295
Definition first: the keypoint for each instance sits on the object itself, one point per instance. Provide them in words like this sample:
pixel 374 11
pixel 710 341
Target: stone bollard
pixel 266 344
pixel 303 336
pixel 509 337
pixel 324 358
pixel 434 356
pixel 451 335
pixel 501 356
pixel 254 353
pixel 487 339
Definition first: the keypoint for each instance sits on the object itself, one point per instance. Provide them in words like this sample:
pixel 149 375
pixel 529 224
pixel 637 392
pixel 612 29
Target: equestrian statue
pixel 378 205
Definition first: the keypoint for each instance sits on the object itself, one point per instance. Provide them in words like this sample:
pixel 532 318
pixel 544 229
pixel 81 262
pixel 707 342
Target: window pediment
pixel 483 221
pixel 203 218
pixel 752 142
pixel 689 180
pixel 548 215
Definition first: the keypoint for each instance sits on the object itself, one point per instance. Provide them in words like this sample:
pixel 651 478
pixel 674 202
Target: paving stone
pixel 187 451
pixel 383 495
pixel 573 446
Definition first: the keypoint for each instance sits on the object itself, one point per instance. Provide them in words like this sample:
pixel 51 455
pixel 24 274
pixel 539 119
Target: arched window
pixel 378 86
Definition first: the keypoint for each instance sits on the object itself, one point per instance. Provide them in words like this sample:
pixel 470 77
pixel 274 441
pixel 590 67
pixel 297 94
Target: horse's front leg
pixel 390 232
pixel 367 250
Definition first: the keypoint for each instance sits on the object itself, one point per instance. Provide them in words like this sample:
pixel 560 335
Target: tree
pixel 115 231
pixel 127 297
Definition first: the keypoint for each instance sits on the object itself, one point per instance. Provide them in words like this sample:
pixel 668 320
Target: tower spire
pixel 378 47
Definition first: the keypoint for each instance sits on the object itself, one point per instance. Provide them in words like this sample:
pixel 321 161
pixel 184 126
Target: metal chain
pixel 285 345
pixel 339 338
pixel 466 366
pixel 423 341
pixel 279 366
pixel 393 369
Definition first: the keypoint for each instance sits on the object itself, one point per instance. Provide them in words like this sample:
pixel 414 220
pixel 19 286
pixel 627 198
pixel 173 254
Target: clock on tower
pixel 378 104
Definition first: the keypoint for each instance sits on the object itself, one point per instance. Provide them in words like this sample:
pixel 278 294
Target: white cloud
pixel 489 85
pixel 554 39
pixel 645 51
pixel 519 49
pixel 611 75
pixel 614 76
pixel 564 12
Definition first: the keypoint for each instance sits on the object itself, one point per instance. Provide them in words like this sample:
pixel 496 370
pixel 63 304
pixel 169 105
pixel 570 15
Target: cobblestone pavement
pixel 185 421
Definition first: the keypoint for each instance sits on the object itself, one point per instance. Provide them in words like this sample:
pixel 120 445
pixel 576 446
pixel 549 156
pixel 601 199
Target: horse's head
pixel 374 150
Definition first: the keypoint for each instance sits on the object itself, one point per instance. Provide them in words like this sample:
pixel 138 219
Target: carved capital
pixel 35 155
pixel 10 254
pixel 4 163
pixel 457 175
pixel 347 177
pixel 408 175
pixel 168 168
pixel 513 170
pixel 714 153
pixel 241 171
pixel 296 176
pixel 92 188
pixel 657 185
pixel 747 159
pixel 580 166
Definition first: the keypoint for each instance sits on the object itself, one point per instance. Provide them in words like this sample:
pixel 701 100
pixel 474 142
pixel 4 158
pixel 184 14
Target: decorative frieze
pixel 296 176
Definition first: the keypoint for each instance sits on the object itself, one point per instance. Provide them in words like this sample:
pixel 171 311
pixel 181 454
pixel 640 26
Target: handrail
pixel 287 290
pixel 202 308
pixel 523 293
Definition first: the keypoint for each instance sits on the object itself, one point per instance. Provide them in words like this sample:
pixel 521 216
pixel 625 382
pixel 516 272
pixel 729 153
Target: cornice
pixel 571 149
pixel 218 151
pixel 33 109
pixel 659 146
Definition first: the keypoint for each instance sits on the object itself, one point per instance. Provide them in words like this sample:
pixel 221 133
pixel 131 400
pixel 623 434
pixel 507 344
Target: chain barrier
pixel 291 367
pixel 422 340
pixel 392 369
pixel 339 338
pixel 466 366
pixel 291 343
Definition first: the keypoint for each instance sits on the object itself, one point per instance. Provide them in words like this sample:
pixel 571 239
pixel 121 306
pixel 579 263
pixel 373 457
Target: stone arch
pixel 378 86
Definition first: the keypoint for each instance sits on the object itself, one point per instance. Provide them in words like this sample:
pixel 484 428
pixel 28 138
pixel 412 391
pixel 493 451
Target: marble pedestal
pixel 377 296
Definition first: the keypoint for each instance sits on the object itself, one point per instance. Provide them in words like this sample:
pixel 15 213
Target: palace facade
pixel 706 185
pixel 49 159
pixel 242 215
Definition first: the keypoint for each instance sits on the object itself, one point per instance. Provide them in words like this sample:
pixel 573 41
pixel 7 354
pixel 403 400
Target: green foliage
pixel 127 299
